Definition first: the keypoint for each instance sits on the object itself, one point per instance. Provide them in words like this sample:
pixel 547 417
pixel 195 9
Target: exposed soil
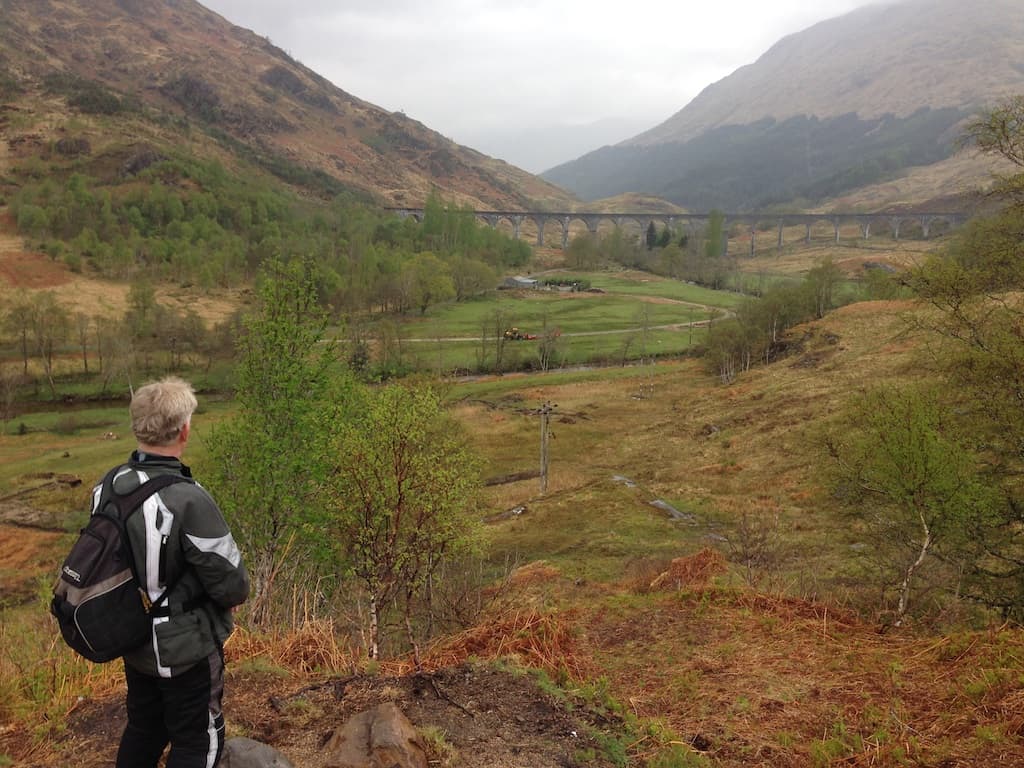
pixel 23 270
pixel 489 717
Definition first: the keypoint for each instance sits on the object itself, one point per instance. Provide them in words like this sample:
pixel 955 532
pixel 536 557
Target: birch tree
pixel 401 495
pixel 907 476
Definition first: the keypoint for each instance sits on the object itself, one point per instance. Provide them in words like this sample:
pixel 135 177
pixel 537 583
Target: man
pixel 178 536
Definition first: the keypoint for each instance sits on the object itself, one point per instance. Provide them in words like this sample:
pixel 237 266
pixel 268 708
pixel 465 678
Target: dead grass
pixel 965 172
pixel 752 679
pixel 693 571
pixel 543 640
pixel 773 681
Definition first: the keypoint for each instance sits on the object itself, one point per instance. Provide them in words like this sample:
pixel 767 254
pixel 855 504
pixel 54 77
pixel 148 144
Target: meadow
pixel 630 316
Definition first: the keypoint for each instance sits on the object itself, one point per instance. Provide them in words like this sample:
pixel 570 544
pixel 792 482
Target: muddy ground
pixel 488 716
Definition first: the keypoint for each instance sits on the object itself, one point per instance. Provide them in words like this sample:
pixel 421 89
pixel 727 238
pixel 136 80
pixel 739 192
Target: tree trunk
pixel 901 606
pixel 374 649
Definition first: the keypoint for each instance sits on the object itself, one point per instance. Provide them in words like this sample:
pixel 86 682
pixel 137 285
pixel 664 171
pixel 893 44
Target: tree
pixel 495 325
pixel 141 315
pixel 549 344
pixel 1000 131
pixel 49 327
pixel 821 281
pixel 18 321
pixel 400 493
pixel 583 252
pixel 714 240
pixel 431 281
pixel 9 382
pixel 266 462
pixel 471 278
pixel 670 260
pixel 730 349
pixel 976 322
pixel 906 474
pixel 82 328
pixel 390 349
pixel 651 237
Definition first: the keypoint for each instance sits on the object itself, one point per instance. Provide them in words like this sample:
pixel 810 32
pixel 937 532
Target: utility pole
pixel 545 412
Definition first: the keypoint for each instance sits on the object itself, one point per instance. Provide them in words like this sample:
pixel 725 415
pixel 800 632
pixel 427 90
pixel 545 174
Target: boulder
pixel 241 752
pixel 381 737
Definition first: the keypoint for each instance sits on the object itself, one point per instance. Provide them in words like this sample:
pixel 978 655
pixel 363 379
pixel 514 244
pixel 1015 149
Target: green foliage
pixel 651 237
pixel 265 463
pixel 453 229
pixel 190 221
pixel 755 332
pixel 284 169
pixel 470 277
pixel 715 235
pixel 41 679
pixel 903 468
pixel 399 497
pixel 426 281
pixel 576 283
pixel 821 282
pixel 613 747
pixel 880 284
pixel 439 749
pixel 583 252
pixel 9 85
pixel 678 756
pixel 978 322
pixel 85 95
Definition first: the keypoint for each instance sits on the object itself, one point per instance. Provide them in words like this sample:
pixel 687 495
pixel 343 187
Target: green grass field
pixel 571 313
pixel 636 315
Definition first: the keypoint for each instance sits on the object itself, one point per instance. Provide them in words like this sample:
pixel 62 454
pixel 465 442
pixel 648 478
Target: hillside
pixel 172 70
pixel 699 661
pixel 852 101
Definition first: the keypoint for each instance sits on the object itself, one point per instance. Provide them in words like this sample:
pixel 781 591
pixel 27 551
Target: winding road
pixel 722 313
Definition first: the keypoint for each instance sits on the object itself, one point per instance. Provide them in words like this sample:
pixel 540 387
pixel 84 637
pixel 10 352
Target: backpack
pixel 101 607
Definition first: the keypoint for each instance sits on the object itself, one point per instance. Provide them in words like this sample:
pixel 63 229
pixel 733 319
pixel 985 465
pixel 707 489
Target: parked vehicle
pixel 514 334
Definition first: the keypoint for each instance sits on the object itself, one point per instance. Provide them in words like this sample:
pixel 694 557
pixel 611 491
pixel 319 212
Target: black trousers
pixel 184 711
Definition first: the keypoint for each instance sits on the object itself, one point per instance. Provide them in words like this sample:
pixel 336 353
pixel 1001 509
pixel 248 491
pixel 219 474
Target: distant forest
pixel 798 161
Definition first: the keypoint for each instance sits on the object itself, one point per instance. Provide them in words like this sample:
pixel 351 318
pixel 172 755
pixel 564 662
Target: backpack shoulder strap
pixel 127 504
pixel 107 488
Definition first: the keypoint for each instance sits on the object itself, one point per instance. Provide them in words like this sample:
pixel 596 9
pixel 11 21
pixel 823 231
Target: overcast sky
pixel 486 71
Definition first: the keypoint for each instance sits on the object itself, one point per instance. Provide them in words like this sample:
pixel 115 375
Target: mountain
pixel 539 147
pixel 171 69
pixel 850 102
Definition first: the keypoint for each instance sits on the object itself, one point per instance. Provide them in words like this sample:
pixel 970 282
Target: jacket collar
pixel 147 461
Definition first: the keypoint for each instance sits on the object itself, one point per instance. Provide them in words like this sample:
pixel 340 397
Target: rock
pixel 241 752
pixel 674 513
pixel 381 737
pixel 140 160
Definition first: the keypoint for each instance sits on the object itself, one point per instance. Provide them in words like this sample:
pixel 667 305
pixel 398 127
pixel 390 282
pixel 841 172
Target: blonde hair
pixel 159 410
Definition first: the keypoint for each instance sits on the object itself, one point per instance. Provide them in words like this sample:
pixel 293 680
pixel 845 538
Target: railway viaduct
pixel 867 222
